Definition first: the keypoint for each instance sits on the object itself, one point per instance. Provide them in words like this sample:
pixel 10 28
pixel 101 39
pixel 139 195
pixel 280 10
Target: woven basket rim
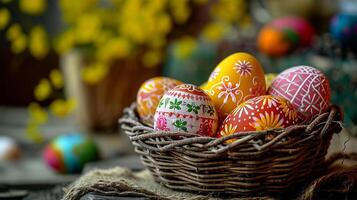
pixel 138 131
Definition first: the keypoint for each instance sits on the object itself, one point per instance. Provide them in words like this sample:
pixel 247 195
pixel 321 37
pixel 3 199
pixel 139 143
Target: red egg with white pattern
pixel 259 113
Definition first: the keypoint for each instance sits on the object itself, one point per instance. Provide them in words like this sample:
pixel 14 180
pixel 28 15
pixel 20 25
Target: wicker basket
pixel 253 164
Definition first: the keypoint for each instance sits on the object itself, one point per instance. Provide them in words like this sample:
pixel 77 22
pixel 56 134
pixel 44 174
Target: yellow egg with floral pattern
pixel 149 95
pixel 236 79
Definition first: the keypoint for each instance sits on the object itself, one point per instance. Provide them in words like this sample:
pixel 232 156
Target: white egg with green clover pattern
pixel 186 108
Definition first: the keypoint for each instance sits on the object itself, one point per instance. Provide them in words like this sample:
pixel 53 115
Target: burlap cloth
pixel 339 182
pixel 123 182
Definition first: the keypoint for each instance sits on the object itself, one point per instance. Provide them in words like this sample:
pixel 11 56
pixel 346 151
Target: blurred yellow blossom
pixel 13 32
pixel 215 31
pixel 43 90
pixel 19 44
pixel 152 58
pixel 114 48
pixel 181 10
pixel 62 108
pixel 72 9
pixel 38 114
pixel 163 23
pixel 94 73
pixel 136 30
pixel 141 21
pixel 87 27
pixel 56 79
pixel 157 42
pixel 156 5
pixel 228 10
pixel 185 47
pixel 38 44
pixel 64 42
pixel 4 18
pixel 33 133
pixel 33 7
pixel 103 37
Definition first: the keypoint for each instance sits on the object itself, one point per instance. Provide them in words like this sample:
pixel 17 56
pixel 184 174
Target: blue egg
pixel 343 28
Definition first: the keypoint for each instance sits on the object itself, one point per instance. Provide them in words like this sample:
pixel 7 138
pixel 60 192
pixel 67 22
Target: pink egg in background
pixel 297 24
pixel 306 88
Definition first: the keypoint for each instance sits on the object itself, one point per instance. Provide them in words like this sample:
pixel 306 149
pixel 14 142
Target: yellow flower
pixel 19 44
pixel 156 5
pixel 287 109
pixel 87 27
pixel 33 7
pixel 43 90
pixel 157 42
pixel 71 10
pixel 94 73
pixel 114 48
pixel 38 115
pixel 267 121
pixel 13 32
pixel 181 10
pixel 38 44
pixel 33 133
pixel 185 47
pixel 228 10
pixel 228 130
pixel 215 31
pixel 152 58
pixel 62 108
pixel 56 78
pixel 135 30
pixel 103 37
pixel 4 18
pixel 163 23
pixel 64 42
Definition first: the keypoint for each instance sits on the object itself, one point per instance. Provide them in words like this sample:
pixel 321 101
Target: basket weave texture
pixel 259 162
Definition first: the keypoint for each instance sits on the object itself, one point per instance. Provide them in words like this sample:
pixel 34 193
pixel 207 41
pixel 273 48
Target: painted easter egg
pixel 9 149
pixel 343 28
pixel 306 88
pixel 149 95
pixel 186 108
pixel 259 113
pixel 69 153
pixel 237 78
pixel 283 35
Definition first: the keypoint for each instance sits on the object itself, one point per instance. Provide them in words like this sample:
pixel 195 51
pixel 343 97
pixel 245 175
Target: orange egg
pixel 273 42
pixel 149 95
pixel 236 79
